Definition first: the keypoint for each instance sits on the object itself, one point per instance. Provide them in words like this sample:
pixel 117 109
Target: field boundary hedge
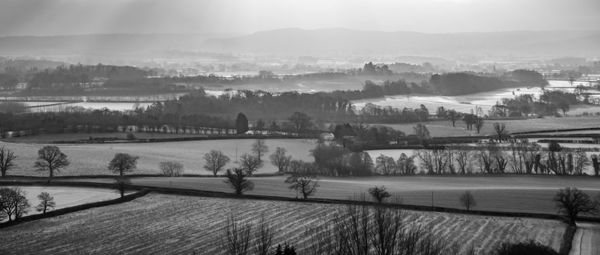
pixel 76 208
pixel 555 130
pixel 190 138
pixel 204 193
pixel 567 241
pixel 218 194
pixel 101 176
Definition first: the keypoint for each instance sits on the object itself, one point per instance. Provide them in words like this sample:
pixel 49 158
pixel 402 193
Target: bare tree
pixel 478 124
pixel 171 168
pixel 571 202
pixel 387 231
pixel 467 200
pixel 406 165
pixel 500 129
pixel 13 203
pixel 236 236
pixel 453 116
pixel 379 193
pixel 121 183
pixel 422 133
pixel 259 147
pixel 250 163
pixel 305 184
pixel 122 162
pixel 46 202
pixel 580 161
pixel 51 159
pixel 385 165
pixel 280 160
pixel 215 161
pixel 6 160
pixel 264 237
pixel 463 158
pixel 236 178
pixel 363 230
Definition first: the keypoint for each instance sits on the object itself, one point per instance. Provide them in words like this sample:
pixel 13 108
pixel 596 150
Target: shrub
pixel 529 248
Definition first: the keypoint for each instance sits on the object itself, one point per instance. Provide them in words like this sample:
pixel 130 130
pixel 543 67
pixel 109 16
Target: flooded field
pixel 469 103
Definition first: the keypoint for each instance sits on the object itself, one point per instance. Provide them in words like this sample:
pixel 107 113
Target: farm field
pixel 444 128
pixel 500 193
pixel 92 159
pixel 160 224
pixel 586 240
pixel 66 196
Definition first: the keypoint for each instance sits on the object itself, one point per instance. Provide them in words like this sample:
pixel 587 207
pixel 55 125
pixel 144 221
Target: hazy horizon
pixel 238 17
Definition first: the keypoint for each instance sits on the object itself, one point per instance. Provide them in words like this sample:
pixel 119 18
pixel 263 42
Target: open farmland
pixel 66 196
pixel 444 128
pixel 470 102
pixel 499 193
pixel 92 159
pixel 161 224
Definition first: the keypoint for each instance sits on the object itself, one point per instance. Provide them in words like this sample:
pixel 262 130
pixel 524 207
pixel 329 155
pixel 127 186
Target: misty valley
pixel 283 127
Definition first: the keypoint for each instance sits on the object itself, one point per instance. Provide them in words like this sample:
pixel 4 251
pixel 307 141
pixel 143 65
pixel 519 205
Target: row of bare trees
pixel 353 230
pixel 518 157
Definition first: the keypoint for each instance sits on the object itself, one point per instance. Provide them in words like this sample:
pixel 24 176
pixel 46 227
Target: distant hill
pixel 99 44
pixel 344 41
pixel 320 42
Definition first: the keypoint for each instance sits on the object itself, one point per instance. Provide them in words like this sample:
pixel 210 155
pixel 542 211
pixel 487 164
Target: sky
pixel 237 17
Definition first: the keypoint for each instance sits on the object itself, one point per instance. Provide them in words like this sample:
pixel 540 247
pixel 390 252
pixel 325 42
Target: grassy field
pixel 444 128
pixel 503 193
pixel 92 159
pixel 161 224
pixel 66 196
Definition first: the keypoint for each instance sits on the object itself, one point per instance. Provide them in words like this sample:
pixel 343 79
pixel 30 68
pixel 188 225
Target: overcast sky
pixel 60 17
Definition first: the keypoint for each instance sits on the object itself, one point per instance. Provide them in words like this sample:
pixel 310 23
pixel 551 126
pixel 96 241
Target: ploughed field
pixel 161 224
pixel 92 159
pixel 532 194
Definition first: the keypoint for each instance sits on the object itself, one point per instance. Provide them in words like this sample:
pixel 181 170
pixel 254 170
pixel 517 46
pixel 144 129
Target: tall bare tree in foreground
pixel 6 160
pixel 571 202
pixel 214 161
pixel 280 160
pixel 236 178
pixel 364 230
pixel 264 237
pixel 51 159
pixel 122 162
pixel 303 183
pixel 46 202
pixel 236 236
